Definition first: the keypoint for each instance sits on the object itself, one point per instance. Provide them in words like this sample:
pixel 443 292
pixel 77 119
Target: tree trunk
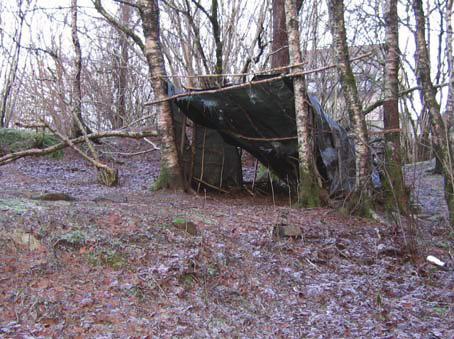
pixel 170 176
pixel 450 58
pixel 77 123
pixel 12 72
pixel 120 117
pixel 217 36
pixel 442 147
pixel 76 85
pixel 308 189
pixel 396 195
pixel 449 113
pixel 279 45
pixel 361 202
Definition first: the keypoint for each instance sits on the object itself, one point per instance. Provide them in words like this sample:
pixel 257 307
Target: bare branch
pixel 114 22
pixel 380 102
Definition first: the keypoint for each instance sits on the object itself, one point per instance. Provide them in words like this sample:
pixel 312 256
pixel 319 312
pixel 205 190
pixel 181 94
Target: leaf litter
pixel 131 268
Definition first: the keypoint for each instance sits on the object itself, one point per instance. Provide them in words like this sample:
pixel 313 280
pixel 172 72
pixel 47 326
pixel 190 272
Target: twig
pixel 93 161
pixel 249 191
pixel 236 135
pixel 313 265
pixel 132 154
pixel 271 70
pixel 380 102
pixel 211 186
pixel 255 174
pixel 151 143
pixel 272 188
pixel 386 131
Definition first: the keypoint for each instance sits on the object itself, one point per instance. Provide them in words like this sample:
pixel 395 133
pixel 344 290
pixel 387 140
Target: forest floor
pixel 116 263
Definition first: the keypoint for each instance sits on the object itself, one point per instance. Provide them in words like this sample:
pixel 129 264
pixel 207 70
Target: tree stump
pixel 108 176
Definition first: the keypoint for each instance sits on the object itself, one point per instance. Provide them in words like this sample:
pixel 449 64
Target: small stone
pixel 389 251
pixel 112 198
pixel 287 231
pixel 53 197
pixel 187 226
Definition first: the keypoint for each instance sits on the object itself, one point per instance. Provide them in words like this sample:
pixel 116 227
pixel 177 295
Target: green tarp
pixel 260 118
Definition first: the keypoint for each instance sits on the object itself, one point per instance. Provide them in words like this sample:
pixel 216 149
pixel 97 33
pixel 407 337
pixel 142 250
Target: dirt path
pixel 112 264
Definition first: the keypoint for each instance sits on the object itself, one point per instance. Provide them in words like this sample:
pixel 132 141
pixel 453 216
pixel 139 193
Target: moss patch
pixel 308 190
pixel 396 194
pixel 17 205
pixel 13 140
pixel 163 180
pixel 109 258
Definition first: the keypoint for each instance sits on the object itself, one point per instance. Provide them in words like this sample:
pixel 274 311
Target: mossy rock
pixel 74 239
pixel 109 258
pixel 186 225
pixel 287 231
pixel 17 205
pixel 22 239
pixel 14 140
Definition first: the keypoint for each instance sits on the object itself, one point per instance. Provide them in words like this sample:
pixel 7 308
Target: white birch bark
pixel 170 175
pixel 308 188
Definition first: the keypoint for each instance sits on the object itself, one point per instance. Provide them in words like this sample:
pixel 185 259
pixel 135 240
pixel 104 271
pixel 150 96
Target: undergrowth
pixel 14 140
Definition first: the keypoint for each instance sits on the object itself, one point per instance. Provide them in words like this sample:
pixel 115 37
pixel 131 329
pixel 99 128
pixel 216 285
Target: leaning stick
pixel 246 84
pixel 271 70
pixel 94 161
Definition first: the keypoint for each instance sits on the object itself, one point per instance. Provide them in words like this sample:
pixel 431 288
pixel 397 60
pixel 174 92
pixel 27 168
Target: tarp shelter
pixel 260 118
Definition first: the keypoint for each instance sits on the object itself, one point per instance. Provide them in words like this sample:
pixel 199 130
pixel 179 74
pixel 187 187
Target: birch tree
pixel 442 146
pixel 76 84
pixel 394 183
pixel 361 200
pixel 308 190
pixel 449 113
pixel 170 176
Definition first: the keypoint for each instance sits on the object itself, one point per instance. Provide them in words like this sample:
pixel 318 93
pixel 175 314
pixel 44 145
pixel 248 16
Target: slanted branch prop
pixel 106 175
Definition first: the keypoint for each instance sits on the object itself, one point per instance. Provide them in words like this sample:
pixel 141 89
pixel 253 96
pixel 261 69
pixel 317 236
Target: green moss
pixel 74 238
pixel 263 174
pixel 365 207
pixel 163 180
pixel 360 204
pixel 396 195
pixel 14 140
pixel 442 311
pixel 17 205
pixel 188 280
pixel 179 221
pixel 110 258
pixel 449 196
pixel 308 190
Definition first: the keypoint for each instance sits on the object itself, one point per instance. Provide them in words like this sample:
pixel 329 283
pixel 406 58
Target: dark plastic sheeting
pixel 261 120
